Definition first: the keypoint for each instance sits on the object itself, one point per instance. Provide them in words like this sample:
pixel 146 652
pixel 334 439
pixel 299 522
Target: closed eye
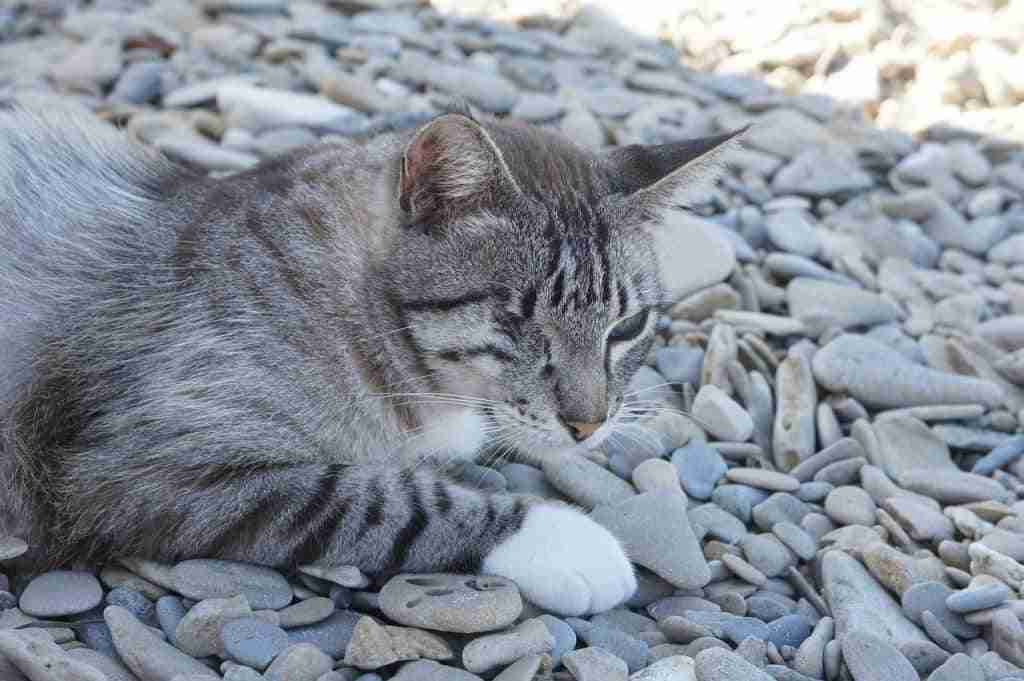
pixel 629 328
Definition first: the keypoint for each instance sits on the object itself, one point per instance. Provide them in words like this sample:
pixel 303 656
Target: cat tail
pixel 73 192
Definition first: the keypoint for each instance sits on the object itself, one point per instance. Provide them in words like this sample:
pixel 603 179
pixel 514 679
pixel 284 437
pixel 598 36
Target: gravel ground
pixel 845 502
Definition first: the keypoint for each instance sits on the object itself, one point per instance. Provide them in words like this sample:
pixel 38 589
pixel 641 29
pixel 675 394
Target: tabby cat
pixel 272 366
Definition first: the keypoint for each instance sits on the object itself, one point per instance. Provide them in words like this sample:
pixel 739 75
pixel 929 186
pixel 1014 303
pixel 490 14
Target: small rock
pixel 60 593
pixel 717 664
pixel 253 642
pixel 655 531
pixel 198 633
pixel 370 646
pixel 309 611
pixel 851 506
pixel 721 415
pixel 763 479
pixel 262 587
pixel 494 650
pixel 299 662
pixel 871 658
pixel 699 468
pixel 331 635
pixel 142 651
pixel 456 603
pixel 585 482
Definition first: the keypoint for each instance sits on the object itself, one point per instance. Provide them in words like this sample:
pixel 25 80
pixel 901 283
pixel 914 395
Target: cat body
pixel 269 366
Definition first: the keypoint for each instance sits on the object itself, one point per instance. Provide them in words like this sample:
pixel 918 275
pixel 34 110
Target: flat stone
pixel 524 669
pixel 789 630
pixel 370 646
pixel 699 468
pixel 258 109
pixel 1001 456
pixel 428 670
pixel 672 668
pixel 721 415
pixel 857 601
pixel 627 648
pixel 34 653
pixel 821 172
pixel 872 658
pixel 494 650
pixel 198 632
pixel 655 532
pixel 978 598
pixel 850 505
pixel 413 644
pixel 793 431
pixel 299 662
pixel 60 593
pixel 953 487
pixel 595 664
pixel 565 637
pixel 105 664
pixel 456 603
pixel 727 626
pixel 739 500
pixel 585 482
pixel 655 474
pixel 932 596
pixel 253 642
pixel 906 444
pixel 331 635
pixel 142 651
pixel 924 656
pixel 347 576
pixel 204 578
pixel 959 667
pixel 11 548
pixel 878 376
pixel 763 479
pixel 821 303
pixel 921 521
pixel 718 664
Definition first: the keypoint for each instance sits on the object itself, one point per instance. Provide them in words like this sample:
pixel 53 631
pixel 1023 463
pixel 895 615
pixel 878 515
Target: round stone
pixel 253 642
pixel 61 593
pixel 699 468
pixel 462 604
pixel 850 505
pixel 871 658
pixel 262 587
pixel 932 596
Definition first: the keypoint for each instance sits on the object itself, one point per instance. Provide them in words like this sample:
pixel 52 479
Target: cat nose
pixel 581 431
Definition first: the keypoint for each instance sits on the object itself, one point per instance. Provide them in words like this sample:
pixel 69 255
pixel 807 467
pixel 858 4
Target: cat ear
pixel 656 177
pixel 451 166
pixel 655 182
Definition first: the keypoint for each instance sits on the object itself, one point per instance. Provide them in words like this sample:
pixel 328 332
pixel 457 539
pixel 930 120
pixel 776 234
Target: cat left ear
pixel 450 167
pixel 654 183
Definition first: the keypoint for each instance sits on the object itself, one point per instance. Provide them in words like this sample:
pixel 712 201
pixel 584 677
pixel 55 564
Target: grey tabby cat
pixel 264 367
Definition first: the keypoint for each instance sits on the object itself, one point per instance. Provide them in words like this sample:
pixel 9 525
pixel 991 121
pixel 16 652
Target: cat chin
pixel 564 562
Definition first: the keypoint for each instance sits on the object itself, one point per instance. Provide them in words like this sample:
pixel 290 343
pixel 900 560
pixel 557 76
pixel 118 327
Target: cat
pixel 269 366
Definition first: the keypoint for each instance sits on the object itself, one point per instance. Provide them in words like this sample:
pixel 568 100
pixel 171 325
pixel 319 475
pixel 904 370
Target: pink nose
pixel 581 431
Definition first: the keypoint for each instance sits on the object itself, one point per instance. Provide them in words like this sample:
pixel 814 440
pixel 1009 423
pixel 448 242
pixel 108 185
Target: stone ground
pixel 846 501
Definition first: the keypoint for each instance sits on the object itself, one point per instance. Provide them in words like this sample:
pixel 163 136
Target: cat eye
pixel 629 328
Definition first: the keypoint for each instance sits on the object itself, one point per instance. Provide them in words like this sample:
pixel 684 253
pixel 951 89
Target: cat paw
pixel 564 562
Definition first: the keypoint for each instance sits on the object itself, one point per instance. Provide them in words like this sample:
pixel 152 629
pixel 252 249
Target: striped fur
pixel 275 366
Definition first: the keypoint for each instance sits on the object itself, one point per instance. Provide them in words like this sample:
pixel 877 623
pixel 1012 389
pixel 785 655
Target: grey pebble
pixel 142 651
pixel 565 637
pixel 939 634
pixel 299 662
pixel 739 500
pixel 700 468
pixel 331 635
pixel 595 664
pixel 494 650
pixel 135 603
pixel 680 363
pixel 253 642
pixel 871 658
pixel 978 598
pixel 262 587
pixel 925 656
pixel 449 602
pixel 959 667
pixel 932 596
pixel 627 648
pixel 796 539
pixel 1001 456
pixel 428 670
pixel 60 593
pixel 169 612
pixel 767 606
pixel 309 611
pixel 585 482
pixel 717 664
pixel 790 630
pixel 729 627
pixel 766 553
pixel 778 508
pixel 708 520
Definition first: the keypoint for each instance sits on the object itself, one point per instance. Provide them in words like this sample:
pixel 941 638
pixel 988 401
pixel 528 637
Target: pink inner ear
pixel 415 166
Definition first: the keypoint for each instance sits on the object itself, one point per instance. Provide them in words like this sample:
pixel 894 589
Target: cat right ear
pixel 449 168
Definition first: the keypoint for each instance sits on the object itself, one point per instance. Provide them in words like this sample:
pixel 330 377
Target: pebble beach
pixel 831 483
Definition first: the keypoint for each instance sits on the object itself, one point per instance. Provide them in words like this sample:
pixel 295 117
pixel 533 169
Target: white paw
pixel 564 562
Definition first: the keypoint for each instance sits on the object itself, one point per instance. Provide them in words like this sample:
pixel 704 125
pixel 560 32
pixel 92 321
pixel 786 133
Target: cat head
pixel 529 273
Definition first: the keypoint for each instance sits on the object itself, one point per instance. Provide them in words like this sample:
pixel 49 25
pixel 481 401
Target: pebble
pixel 789 630
pixel 699 468
pixel 959 667
pixel 793 435
pixel 655 532
pixel 262 587
pixel 309 611
pixel 850 505
pixel 628 648
pixel 299 662
pixel 585 482
pixel 656 474
pixel 456 603
pixel 331 635
pixel 881 377
pixel 870 657
pixel 932 596
pixel 198 632
pixel 142 651
pixel 857 601
pixel 721 415
pixel 595 664
pixel 253 642
pixel 564 635
pixel 717 664
pixel 763 479
pixel 370 646
pixel 428 670
pixel 494 650
pixel 42 659
pixel 924 656
pixel 61 593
